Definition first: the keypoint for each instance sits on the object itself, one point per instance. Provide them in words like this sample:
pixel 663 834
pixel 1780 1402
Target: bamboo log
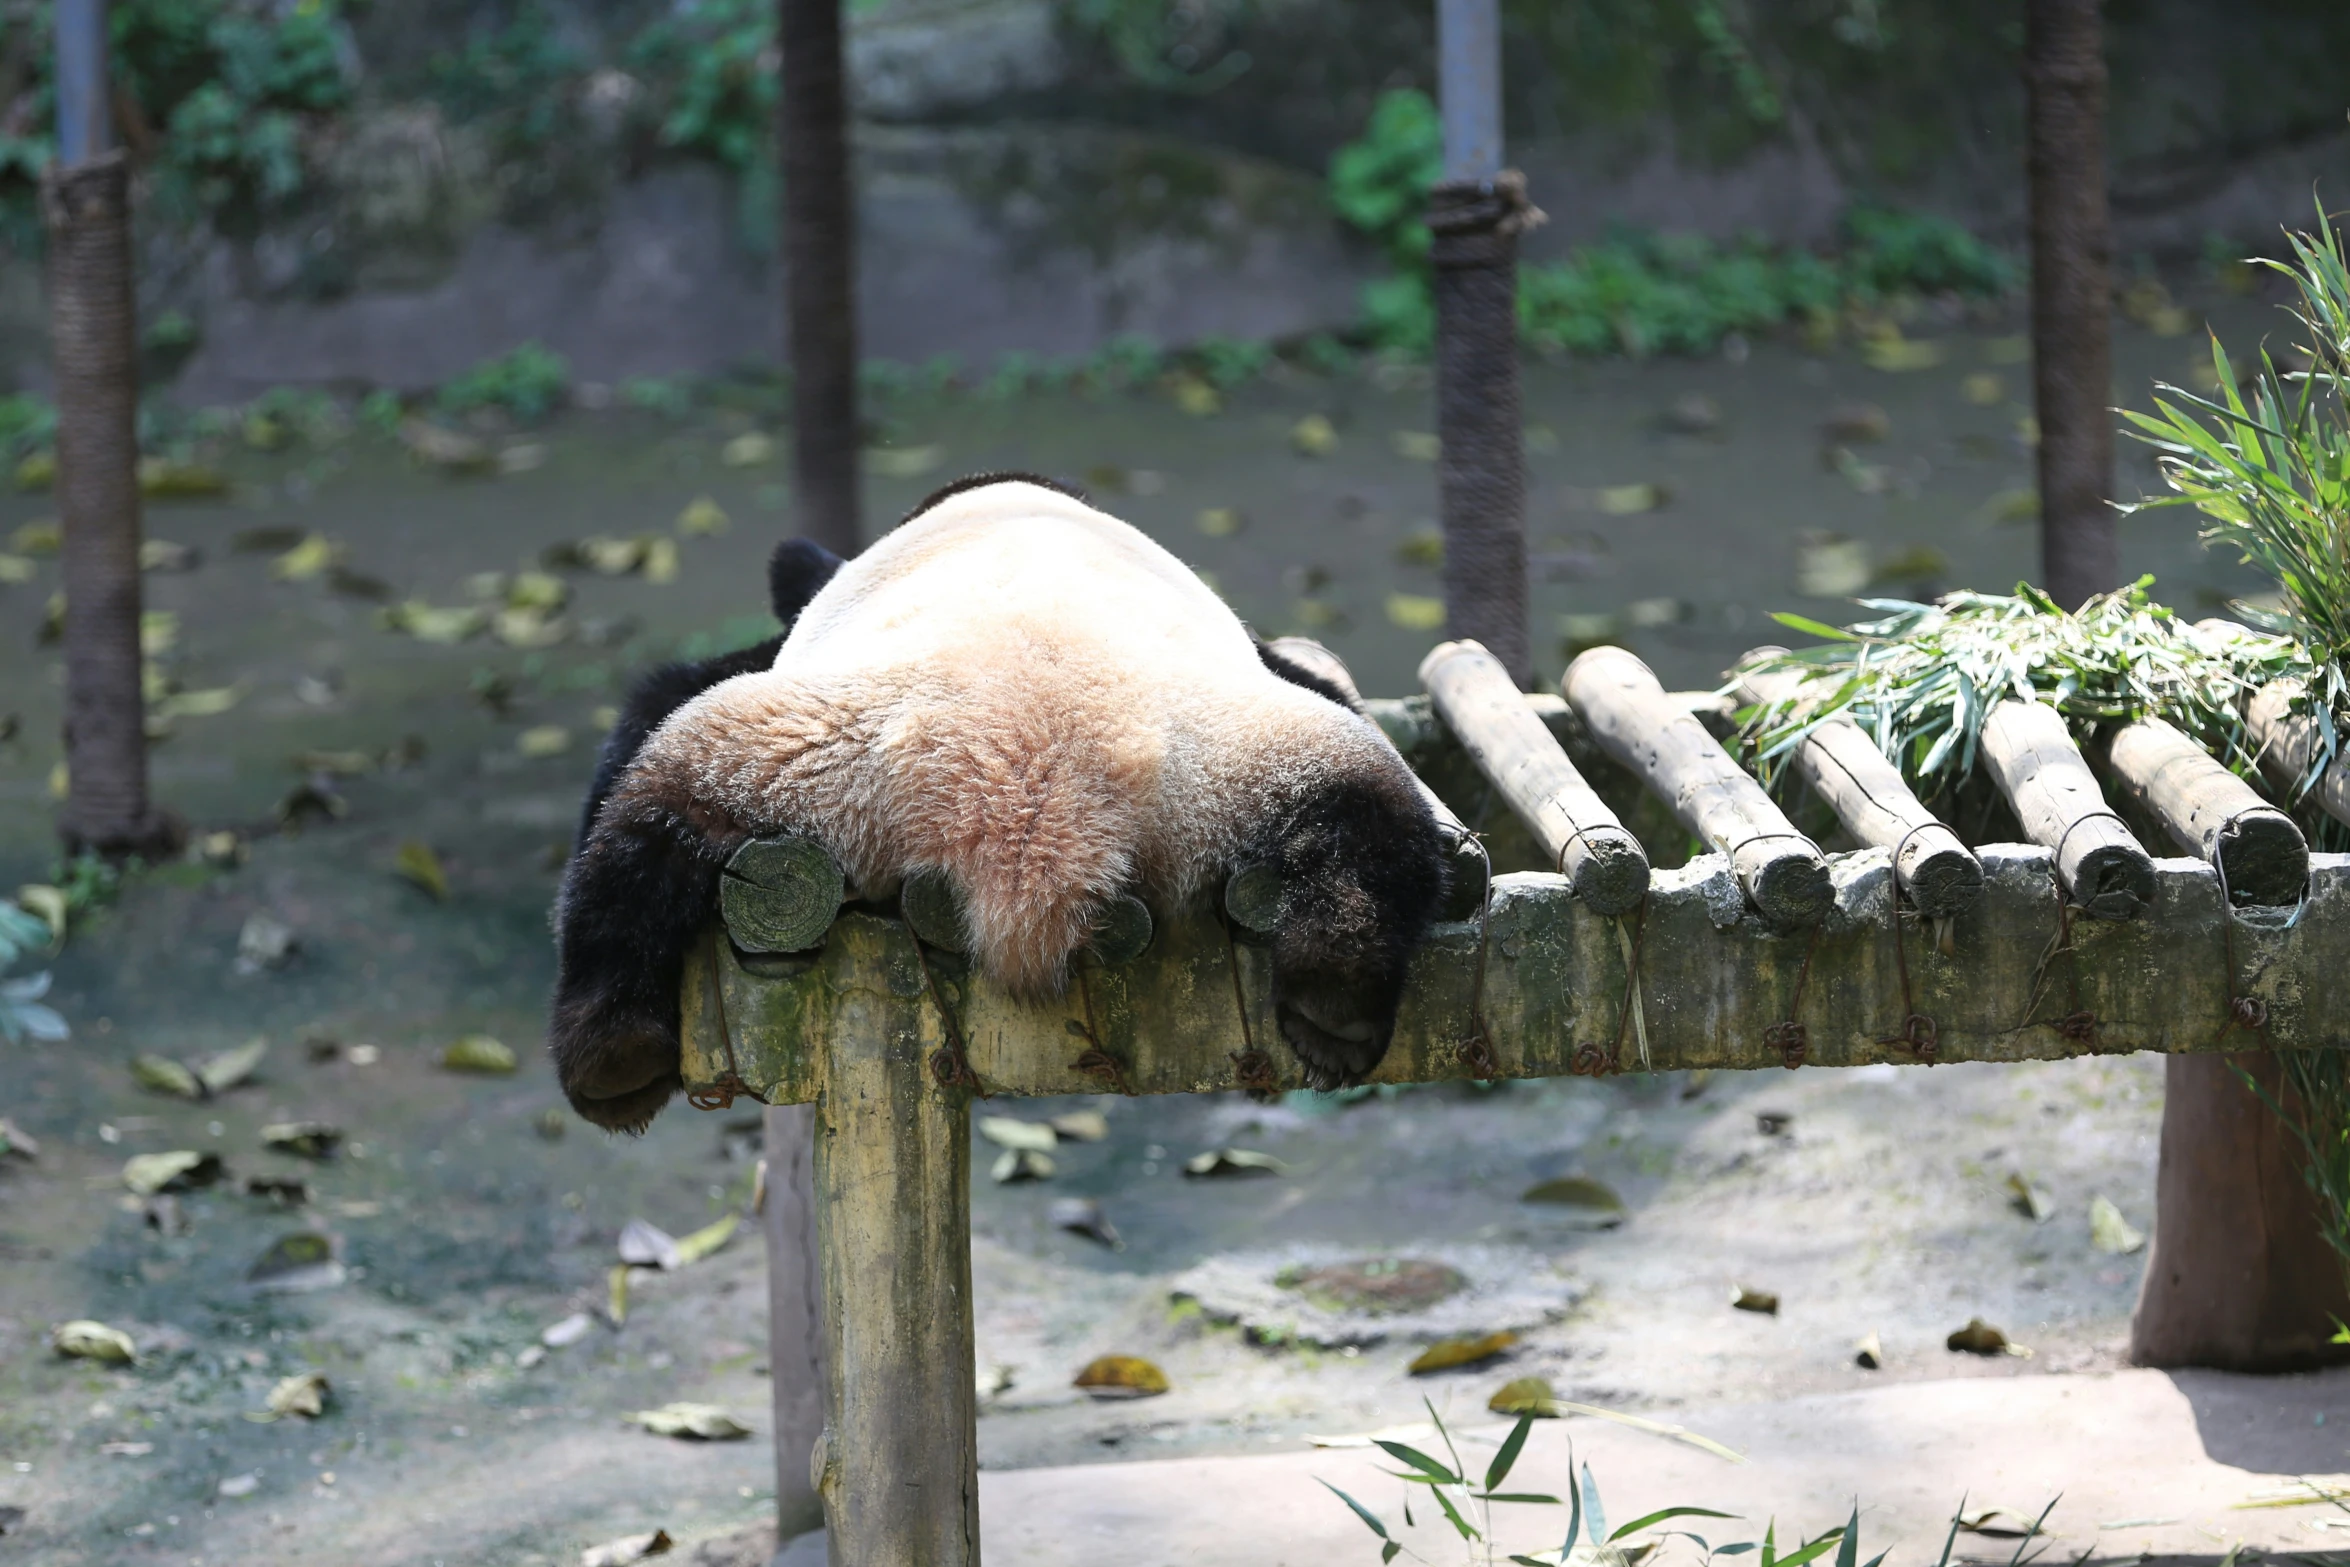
pixel 1780 870
pixel 1843 766
pixel 2056 798
pixel 780 894
pixel 897 1465
pixel 2211 813
pixel 1466 891
pixel 1519 757
pixel 932 905
pixel 2289 744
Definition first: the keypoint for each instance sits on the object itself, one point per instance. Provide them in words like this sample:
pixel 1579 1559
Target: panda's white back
pixel 1027 693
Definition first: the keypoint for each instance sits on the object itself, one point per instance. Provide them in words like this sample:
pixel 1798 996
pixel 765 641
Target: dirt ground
pixel 467 1219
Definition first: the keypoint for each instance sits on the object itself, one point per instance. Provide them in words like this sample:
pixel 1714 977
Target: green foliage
pixel 28 422
pixel 1636 293
pixel 1175 47
pixel 22 1016
pixel 1887 251
pixel 382 410
pixel 714 62
pixel 1380 181
pixel 670 395
pixel 1645 294
pixel 1229 362
pixel 518 79
pixel 2271 474
pixel 527 382
pixel 1921 681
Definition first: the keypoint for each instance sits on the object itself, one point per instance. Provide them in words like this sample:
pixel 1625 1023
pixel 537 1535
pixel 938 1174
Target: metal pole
pixel 1474 218
pixel 85 127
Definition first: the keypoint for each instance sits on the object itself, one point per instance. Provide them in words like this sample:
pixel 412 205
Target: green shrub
pixel 709 59
pixel 518 80
pixel 1379 182
pixel 1892 252
pixel 527 383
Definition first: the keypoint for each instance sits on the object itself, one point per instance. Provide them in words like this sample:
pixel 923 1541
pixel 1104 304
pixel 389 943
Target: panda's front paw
pixel 1333 1052
pixel 618 1064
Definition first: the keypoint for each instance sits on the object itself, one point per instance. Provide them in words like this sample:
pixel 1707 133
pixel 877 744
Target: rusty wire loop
pixel 721 1094
pixel 950 1063
pixel 1095 1059
pixel 1918 1032
pixel 1250 1065
pixel 1790 1038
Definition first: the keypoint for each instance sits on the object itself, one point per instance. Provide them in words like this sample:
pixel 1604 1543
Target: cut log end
pixel 1122 931
pixel 1793 891
pixel 1613 878
pixel 1464 893
pixel 780 895
pixel 932 907
pixel 1943 882
pixel 1252 897
pixel 2264 858
pixel 2114 882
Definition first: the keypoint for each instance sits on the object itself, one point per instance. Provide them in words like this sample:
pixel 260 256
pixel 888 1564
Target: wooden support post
pixel 1518 754
pixel 1781 871
pixel 1851 776
pixel 795 1315
pixel 898 1465
pixel 2056 798
pixel 1468 863
pixel 2211 813
pixel 2289 744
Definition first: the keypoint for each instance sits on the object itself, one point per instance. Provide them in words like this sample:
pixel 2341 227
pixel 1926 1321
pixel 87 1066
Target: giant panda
pixel 1030 695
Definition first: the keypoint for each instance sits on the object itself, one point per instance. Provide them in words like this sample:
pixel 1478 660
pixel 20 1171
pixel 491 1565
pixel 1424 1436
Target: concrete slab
pixel 2141 1461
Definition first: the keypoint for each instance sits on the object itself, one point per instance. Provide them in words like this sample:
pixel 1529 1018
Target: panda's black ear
pixel 797 570
pixel 1298 675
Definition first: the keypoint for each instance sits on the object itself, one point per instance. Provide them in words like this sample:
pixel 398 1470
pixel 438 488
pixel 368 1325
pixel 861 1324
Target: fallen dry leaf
pixel 644 1245
pixel 1868 1354
pixel 1084 1216
pixel 2109 1231
pixel 694 1246
pixel 179 1170
pixel 301 1260
pixel 702 518
pixel 902 462
pixel 304 1395
pixel 1011 1132
pixel 1415 611
pixel 303 1139
pixel 1121 1376
pixel 1981 1338
pixel 1525 1396
pixel 2029 1200
pixel 696 1422
pixel 628 1548
pixel 748 450
pixel 264 942
pixel 1232 1161
pixel 1314 436
pixel 1081 1126
pixel 418 864
pixel 1021 1164
pixel 1590 1204
pixel 1763 1301
pixel 478 1053
pixel 1447 1354
pixel 162 1075
pixel 224 1071
pixel 85 1340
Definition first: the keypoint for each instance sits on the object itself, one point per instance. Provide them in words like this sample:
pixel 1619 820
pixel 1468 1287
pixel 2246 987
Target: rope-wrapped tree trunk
pixel 819 250
pixel 87 208
pixel 2072 296
pixel 1474 227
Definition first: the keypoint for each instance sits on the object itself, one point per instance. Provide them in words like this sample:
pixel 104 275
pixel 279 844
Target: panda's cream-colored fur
pixel 1026 693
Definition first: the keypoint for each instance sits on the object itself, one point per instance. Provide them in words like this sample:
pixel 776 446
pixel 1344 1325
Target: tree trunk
pixel 2239 1276
pixel 2072 297
pixel 87 207
pixel 819 248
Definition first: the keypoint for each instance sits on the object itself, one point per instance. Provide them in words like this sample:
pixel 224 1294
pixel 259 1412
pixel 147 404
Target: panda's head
pixel 1363 875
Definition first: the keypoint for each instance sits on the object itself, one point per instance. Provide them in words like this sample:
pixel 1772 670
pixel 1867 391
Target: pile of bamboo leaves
pixel 1921 679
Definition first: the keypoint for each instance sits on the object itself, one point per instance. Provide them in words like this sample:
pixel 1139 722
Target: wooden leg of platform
pixel 795 1314
pixel 898 1466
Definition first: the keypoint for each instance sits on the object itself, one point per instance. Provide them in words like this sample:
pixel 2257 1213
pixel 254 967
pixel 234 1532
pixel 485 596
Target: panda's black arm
pixel 795 573
pixel 657 694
